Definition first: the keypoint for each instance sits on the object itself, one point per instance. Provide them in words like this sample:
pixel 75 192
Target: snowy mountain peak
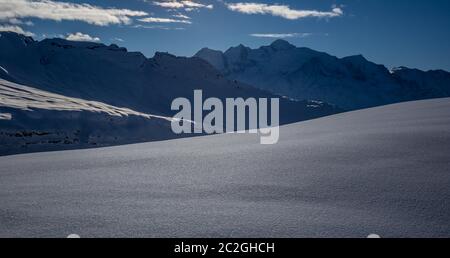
pixel 356 59
pixel 351 82
pixel 209 50
pixel 281 44
pixel 163 56
pixel 15 37
pixel 67 43
pixel 237 49
pixel 214 57
pixel 237 54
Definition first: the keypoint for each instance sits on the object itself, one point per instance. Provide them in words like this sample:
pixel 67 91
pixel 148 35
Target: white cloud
pixel 181 16
pixel 163 20
pixel 49 36
pixel 282 11
pixel 59 11
pixel 82 37
pixel 158 27
pixel 191 4
pixel 169 4
pixel 117 39
pixel 280 35
pixel 140 26
pixel 16 29
pixel 177 4
pixel 16 21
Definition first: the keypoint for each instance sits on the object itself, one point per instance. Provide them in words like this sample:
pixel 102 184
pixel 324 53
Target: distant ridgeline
pixel 302 73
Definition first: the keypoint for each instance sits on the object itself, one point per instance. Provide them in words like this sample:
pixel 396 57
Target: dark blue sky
pixel 413 33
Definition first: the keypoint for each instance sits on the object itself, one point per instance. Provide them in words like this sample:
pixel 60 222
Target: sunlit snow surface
pixel 34 120
pixel 27 98
pixel 381 171
pixel 4 70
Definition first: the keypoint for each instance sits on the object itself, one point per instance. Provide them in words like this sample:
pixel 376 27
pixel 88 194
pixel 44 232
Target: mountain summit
pixel 351 82
pixel 281 44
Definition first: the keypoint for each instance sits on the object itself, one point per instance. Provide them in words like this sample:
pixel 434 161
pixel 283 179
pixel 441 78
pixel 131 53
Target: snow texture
pixel 381 171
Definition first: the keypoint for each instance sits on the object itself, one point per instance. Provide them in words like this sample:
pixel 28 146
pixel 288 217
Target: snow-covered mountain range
pixel 83 73
pixel 68 94
pixel 302 73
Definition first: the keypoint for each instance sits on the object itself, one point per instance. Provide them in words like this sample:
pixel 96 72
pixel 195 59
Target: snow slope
pixel 302 73
pixel 26 98
pixel 37 120
pixel 383 170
